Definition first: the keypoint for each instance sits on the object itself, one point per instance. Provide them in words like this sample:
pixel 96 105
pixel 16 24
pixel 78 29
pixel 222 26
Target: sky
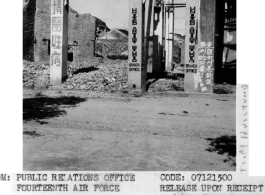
pixel 116 12
pixel 113 12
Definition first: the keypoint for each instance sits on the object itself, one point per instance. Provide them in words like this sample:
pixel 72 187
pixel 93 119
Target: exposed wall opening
pixel 70 54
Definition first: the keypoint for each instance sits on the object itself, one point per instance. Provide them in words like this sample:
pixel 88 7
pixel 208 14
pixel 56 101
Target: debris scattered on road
pixel 166 113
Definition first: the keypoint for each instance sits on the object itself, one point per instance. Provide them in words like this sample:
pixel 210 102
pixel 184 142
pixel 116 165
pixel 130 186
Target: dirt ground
pixel 83 131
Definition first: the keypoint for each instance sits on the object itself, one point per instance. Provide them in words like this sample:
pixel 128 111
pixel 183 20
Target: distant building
pixel 115 34
pixel 179 38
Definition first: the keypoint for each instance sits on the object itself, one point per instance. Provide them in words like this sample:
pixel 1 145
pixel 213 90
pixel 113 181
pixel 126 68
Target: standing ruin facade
pixel 208 45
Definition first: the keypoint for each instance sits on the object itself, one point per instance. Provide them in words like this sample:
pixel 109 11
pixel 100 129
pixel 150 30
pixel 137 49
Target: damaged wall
pixel 81 35
pixel 29 9
pixel 82 32
pixel 42 31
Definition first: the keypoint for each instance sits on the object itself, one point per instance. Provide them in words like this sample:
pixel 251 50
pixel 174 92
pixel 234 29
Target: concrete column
pixel 191 46
pixel 206 65
pixel 169 37
pixel 135 44
pixel 166 36
pixel 145 15
pixel 157 40
pixel 59 41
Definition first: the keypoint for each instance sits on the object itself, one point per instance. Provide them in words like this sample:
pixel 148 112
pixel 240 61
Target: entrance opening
pixel 70 54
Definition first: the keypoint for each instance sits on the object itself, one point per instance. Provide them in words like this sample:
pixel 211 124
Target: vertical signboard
pixel 191 46
pixel 59 41
pixel 135 44
pixel 205 76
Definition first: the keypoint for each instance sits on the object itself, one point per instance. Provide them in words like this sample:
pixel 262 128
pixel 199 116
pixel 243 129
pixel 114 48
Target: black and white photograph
pixel 132 97
pixel 129 85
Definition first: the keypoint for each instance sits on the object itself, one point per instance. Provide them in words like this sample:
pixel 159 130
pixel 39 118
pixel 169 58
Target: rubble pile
pixel 222 88
pixel 99 74
pixel 162 85
pixel 36 75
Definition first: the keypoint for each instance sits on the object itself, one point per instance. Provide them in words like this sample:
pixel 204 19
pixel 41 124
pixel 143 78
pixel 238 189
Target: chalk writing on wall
pixel 192 67
pixel 205 73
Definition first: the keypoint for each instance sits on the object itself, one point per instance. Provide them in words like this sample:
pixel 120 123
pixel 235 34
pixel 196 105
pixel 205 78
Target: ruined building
pixel 83 30
pixel 113 44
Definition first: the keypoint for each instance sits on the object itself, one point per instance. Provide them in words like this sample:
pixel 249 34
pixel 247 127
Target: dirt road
pixel 69 131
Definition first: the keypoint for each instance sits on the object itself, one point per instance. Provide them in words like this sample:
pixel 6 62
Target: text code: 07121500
pixel 211 177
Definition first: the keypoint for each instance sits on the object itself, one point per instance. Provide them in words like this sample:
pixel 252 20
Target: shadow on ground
pixel 165 75
pixel 224 145
pixel 45 107
pixel 32 133
pixel 85 70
